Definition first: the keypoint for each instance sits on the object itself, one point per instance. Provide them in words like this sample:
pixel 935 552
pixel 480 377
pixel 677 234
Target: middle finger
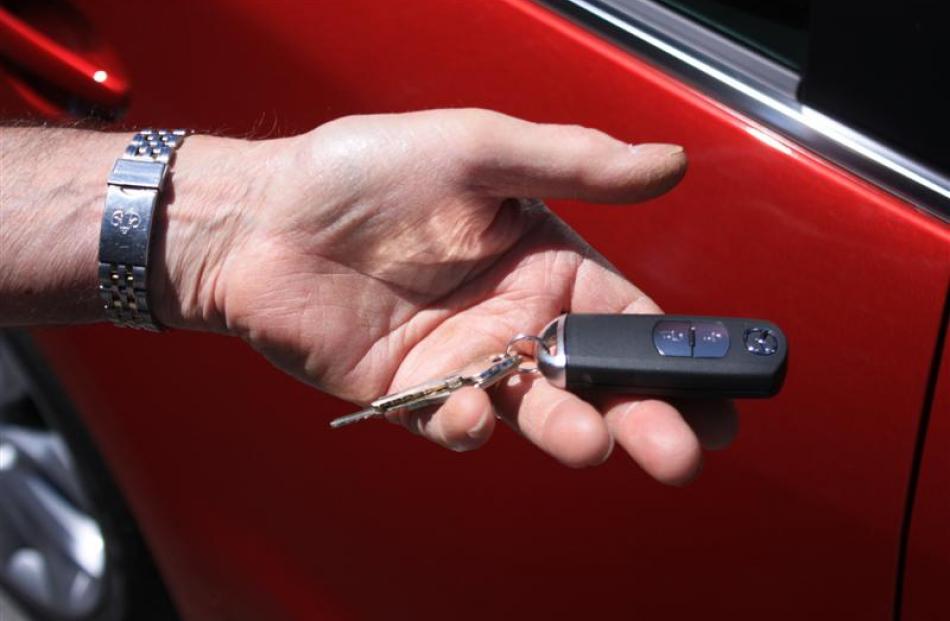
pixel 558 422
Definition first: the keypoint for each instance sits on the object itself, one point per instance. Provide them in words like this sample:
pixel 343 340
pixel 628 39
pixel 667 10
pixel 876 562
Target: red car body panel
pixel 928 551
pixel 254 509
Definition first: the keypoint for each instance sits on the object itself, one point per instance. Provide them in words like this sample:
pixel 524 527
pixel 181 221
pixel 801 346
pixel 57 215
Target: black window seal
pixel 759 89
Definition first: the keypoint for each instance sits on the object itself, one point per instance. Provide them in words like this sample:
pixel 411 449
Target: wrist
pixel 207 213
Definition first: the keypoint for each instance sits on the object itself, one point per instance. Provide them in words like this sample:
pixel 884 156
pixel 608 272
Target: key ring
pixel 521 338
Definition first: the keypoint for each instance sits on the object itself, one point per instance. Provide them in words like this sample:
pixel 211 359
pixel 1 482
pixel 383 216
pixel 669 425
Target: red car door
pixel 928 546
pixel 254 509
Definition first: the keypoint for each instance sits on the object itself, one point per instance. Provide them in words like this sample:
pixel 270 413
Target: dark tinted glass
pixel 777 29
pixel 884 69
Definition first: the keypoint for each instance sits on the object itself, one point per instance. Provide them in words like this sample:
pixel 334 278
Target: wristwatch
pixel 132 193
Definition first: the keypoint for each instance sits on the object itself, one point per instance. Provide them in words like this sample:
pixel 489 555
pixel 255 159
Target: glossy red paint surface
pixel 928 552
pixel 256 510
pixel 28 48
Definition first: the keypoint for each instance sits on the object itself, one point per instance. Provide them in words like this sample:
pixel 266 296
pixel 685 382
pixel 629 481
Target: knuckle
pixel 583 138
pixel 475 136
pixel 577 441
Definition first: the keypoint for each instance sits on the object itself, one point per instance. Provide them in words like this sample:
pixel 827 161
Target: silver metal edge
pixel 711 64
pixel 553 366
pixel 703 42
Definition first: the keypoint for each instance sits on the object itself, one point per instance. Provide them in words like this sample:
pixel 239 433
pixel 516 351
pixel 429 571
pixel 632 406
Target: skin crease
pixel 377 252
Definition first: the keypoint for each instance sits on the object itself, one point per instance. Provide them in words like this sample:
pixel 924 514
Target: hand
pixel 377 252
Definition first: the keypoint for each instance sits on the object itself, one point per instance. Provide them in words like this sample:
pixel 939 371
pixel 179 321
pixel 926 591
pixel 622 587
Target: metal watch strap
pixel 132 194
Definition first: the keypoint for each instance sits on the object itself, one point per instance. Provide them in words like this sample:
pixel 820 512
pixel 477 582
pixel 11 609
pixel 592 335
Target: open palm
pixel 388 252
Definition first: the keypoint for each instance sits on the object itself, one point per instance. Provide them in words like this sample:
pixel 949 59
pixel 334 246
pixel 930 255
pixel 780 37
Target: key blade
pixel 433 391
pixel 481 374
pixel 430 393
pixel 358 417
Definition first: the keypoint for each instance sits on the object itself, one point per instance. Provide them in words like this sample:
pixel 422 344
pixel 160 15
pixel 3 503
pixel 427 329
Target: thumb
pixel 511 157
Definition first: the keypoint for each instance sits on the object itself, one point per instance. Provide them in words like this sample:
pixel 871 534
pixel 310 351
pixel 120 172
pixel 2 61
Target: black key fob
pixel 667 355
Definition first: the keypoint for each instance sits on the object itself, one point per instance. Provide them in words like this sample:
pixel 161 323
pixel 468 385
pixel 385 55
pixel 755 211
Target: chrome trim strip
pixel 701 41
pixel 744 85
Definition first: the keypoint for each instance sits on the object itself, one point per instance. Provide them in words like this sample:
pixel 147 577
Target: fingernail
pixel 476 432
pixel 656 149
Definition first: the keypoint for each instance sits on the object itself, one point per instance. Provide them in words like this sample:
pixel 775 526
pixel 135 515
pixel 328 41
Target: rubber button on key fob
pixel 711 339
pixel 672 338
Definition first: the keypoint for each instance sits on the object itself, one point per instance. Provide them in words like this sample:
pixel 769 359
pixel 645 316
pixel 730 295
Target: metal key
pixel 481 374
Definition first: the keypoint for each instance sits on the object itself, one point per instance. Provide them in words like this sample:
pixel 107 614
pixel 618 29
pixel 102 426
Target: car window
pixel 861 84
pixel 856 67
pixel 885 74
pixel 777 29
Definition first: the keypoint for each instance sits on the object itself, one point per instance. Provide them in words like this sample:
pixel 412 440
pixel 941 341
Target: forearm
pixel 51 202
pixel 53 193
